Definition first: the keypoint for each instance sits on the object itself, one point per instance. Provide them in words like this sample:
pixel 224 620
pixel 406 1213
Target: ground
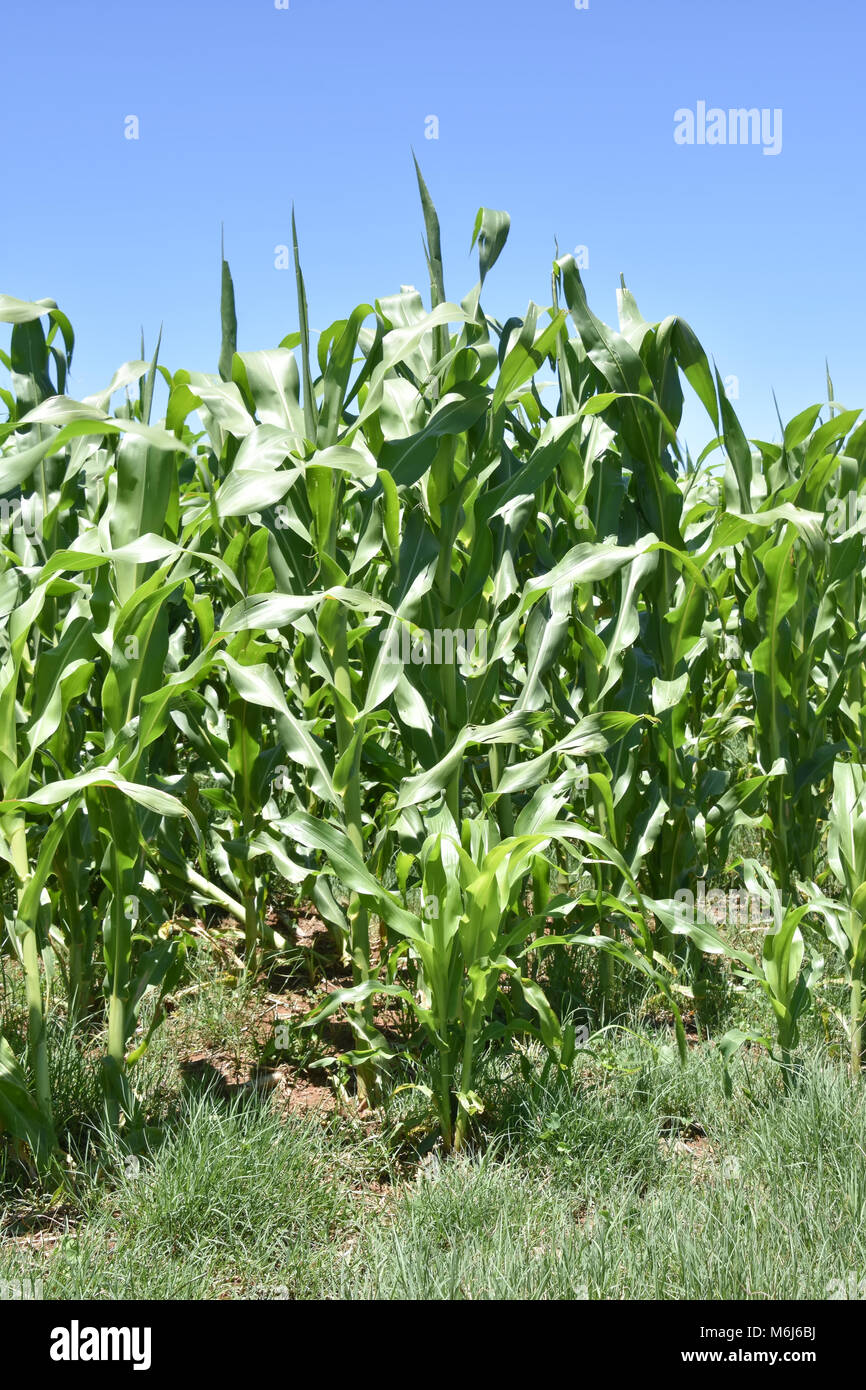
pixel 632 1176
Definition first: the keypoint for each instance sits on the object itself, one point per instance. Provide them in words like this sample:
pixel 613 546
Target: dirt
pixel 231 1078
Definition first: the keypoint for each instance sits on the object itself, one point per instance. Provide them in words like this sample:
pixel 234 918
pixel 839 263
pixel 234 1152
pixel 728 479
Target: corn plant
pixel 786 973
pixel 472 937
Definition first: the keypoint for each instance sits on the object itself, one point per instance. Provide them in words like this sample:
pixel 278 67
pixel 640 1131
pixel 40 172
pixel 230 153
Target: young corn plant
pixel 460 964
pixel 787 974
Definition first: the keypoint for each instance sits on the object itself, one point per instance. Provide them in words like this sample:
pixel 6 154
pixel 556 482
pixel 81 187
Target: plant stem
pixel 465 1084
pixel 36 1038
pixel 856 1025
pixel 444 1098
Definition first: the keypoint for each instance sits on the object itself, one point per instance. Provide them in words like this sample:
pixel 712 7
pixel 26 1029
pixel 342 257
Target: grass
pixel 634 1178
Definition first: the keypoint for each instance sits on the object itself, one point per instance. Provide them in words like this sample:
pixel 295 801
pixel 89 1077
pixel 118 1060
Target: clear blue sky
pixel 564 117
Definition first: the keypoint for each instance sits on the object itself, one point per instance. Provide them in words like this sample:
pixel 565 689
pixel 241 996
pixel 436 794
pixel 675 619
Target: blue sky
pixel 564 117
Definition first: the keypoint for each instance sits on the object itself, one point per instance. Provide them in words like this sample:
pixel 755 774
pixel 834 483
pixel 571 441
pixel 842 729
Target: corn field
pixel 433 622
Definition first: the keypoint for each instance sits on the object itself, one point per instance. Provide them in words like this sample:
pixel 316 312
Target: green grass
pixel 634 1177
